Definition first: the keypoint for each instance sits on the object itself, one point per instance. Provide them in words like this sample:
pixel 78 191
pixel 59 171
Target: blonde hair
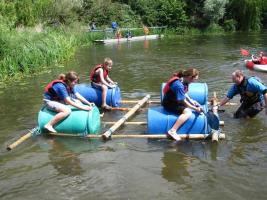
pixel 107 61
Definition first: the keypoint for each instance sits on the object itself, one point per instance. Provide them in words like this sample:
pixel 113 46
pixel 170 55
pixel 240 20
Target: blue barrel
pixel 159 121
pixel 94 95
pixel 79 122
pixel 196 91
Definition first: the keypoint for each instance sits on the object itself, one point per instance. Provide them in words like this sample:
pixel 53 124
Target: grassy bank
pixel 28 51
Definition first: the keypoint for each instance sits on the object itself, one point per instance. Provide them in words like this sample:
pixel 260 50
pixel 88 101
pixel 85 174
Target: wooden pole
pixel 146 136
pixel 142 123
pixel 136 101
pixel 120 108
pixel 19 141
pixel 140 103
pixel 128 123
pixel 158 102
pixel 123 109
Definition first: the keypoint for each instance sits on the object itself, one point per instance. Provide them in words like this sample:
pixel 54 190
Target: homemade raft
pixel 94 94
pixel 87 124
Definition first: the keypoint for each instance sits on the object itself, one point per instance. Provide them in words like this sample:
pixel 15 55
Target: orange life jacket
pixel 49 89
pixel 263 60
pixel 170 81
pixel 94 77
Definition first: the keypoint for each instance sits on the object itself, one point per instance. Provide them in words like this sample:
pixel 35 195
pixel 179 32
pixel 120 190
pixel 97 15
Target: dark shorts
pixel 248 111
pixel 173 106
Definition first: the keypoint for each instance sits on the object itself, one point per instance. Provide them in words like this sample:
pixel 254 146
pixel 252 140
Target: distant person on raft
pixel 100 79
pixel 262 60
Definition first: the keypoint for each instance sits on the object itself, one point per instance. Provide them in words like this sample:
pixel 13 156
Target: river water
pixel 63 168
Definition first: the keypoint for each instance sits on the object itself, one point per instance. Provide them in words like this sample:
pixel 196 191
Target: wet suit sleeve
pixel 256 86
pixel 232 91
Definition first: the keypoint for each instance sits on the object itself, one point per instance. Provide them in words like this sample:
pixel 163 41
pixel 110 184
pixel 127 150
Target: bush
pixel 230 25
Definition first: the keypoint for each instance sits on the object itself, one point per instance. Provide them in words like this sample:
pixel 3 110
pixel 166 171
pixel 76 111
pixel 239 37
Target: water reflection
pixel 65 154
pixel 175 166
pixel 65 161
pixel 181 160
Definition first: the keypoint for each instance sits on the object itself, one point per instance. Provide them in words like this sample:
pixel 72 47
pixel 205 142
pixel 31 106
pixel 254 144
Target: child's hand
pixel 87 108
pixel 196 103
pixel 113 86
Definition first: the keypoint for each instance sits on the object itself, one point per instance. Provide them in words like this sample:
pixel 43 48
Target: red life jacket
pixel 95 77
pixel 49 89
pixel 170 81
pixel 263 61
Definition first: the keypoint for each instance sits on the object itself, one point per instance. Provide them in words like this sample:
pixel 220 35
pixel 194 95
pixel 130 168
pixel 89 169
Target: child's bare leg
pixel 179 122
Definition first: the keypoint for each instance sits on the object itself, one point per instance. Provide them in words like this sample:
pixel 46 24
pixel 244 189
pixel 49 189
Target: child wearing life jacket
pixel 100 79
pixel 177 101
pixel 118 34
pixel 146 30
pixel 60 93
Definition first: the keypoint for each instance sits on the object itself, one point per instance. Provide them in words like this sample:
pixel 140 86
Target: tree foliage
pixel 200 14
pixel 247 13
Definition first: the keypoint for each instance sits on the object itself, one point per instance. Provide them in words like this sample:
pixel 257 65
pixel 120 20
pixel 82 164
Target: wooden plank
pixel 131 112
pixel 142 123
pixel 135 101
pixel 145 136
pixel 127 123
pixel 19 141
pixel 125 101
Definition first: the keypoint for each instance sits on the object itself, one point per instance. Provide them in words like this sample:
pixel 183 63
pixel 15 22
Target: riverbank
pixel 27 51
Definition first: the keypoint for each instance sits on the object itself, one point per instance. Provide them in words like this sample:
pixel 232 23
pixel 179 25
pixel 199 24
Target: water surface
pixel 63 168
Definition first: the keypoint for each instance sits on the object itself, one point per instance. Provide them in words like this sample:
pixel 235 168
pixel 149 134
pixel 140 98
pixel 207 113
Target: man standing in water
pixel 253 95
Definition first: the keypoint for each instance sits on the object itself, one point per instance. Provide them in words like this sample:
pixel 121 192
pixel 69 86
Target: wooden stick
pixel 136 101
pixel 19 141
pixel 143 123
pixel 120 108
pixel 158 102
pixel 147 136
pixel 128 123
pixel 123 108
pixel 108 133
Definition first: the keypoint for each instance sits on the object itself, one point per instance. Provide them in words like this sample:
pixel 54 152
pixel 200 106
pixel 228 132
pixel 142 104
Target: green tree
pixel 214 10
pixel 247 13
pixel 172 13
